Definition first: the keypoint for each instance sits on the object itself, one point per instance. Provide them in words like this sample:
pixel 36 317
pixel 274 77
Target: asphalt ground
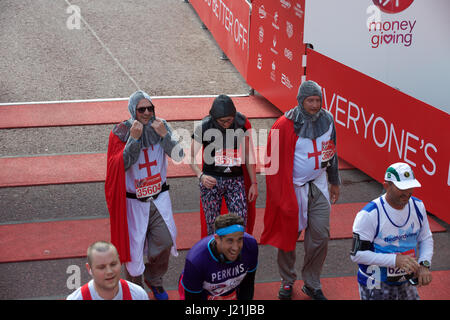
pixel 157 46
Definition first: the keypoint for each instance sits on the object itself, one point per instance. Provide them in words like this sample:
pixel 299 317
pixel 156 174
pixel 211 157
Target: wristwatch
pixel 425 263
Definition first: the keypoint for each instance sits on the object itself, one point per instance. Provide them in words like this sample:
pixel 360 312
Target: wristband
pixel 200 178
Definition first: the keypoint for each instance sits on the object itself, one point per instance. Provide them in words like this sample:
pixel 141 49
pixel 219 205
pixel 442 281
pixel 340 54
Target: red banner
pixel 378 125
pixel 276 50
pixel 229 23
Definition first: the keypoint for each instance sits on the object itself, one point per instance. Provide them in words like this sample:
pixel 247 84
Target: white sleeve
pixel 76 295
pixel 365 225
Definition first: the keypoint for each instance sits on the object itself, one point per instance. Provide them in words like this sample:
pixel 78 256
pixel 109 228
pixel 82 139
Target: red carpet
pixel 43 170
pixel 70 238
pixel 345 288
pixel 74 168
pixel 108 112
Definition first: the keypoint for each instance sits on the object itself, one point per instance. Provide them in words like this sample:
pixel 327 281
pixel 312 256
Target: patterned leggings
pixel 233 190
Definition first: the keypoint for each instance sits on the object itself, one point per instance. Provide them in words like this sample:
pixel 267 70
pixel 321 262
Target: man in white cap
pixel 392 240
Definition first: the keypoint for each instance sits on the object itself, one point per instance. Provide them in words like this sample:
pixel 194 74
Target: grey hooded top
pixel 313 126
pixel 149 136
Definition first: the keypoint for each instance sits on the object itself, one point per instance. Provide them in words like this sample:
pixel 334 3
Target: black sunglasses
pixel 149 108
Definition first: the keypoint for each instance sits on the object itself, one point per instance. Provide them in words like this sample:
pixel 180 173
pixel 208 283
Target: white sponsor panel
pixel 407 49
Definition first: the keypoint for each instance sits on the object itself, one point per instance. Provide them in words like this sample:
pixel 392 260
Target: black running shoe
pixel 314 294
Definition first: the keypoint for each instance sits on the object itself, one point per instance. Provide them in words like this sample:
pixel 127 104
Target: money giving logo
pixel 389 32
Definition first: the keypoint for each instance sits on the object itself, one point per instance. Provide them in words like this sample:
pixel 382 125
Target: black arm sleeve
pixel 247 287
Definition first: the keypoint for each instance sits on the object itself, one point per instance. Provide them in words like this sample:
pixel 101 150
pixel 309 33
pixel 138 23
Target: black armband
pixel 360 245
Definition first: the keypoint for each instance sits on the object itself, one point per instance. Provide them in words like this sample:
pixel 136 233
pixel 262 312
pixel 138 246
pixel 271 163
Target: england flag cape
pixel 115 194
pixel 281 213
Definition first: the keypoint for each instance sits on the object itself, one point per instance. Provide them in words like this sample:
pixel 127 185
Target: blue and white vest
pixel 391 238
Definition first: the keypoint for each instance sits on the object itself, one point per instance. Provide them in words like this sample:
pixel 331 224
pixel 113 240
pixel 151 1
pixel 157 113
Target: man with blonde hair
pixel 103 264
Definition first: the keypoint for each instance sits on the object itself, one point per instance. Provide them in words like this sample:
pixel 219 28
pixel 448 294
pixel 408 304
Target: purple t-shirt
pixel 203 272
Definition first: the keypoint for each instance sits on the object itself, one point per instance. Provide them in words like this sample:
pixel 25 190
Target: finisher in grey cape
pixel 137 193
pixel 300 193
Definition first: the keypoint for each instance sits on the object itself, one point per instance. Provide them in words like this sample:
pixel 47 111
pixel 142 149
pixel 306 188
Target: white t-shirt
pixel 137 292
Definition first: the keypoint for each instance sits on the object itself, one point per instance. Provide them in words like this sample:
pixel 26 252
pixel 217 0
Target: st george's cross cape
pixel 281 213
pixel 251 209
pixel 115 194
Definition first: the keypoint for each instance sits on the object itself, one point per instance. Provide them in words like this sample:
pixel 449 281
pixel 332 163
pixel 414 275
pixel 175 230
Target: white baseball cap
pixel 402 176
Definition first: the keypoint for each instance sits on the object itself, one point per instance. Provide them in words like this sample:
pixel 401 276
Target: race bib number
pixel 395 273
pixel 328 150
pixel 148 187
pixel 227 158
